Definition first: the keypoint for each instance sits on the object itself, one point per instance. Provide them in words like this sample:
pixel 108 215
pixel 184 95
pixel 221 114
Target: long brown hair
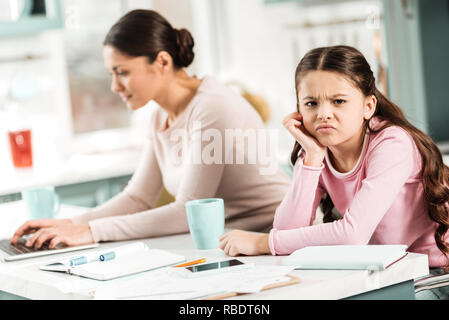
pixel 350 62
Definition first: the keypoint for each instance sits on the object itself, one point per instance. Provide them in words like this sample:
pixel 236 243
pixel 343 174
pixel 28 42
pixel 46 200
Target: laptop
pixel 19 251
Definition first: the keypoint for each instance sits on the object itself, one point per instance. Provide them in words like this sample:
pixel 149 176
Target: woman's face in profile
pixel 133 78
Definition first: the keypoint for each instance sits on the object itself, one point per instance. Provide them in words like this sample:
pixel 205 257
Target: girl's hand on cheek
pixel 315 151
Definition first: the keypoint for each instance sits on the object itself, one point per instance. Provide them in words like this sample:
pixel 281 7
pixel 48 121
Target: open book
pixel 115 262
pixel 362 257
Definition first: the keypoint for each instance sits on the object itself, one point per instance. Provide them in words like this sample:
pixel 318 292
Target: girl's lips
pixel 325 128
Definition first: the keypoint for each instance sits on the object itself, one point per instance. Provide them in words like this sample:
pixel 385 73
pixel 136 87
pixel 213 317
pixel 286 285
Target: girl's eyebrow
pixel 333 96
pixel 308 98
pixel 338 95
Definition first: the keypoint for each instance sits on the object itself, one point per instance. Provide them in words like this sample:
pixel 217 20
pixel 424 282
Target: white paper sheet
pixel 168 284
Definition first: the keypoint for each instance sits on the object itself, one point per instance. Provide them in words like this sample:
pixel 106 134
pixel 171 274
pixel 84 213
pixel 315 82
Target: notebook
pixel 351 257
pixel 115 262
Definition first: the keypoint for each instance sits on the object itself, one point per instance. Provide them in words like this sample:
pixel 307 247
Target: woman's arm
pixel 140 194
pixel 390 164
pixel 199 180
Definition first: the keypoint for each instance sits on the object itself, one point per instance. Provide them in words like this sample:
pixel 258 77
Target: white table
pixel 24 278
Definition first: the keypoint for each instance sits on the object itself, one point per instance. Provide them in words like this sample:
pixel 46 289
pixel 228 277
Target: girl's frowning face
pixel 333 109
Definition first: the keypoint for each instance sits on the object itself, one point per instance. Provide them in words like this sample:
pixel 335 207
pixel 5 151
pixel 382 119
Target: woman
pixel 146 57
pixel 355 148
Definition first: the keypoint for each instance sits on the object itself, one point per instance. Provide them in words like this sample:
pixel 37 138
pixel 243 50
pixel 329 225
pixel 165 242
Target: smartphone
pixel 215 267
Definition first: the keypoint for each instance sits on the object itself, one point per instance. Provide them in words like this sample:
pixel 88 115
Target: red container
pixel 21 149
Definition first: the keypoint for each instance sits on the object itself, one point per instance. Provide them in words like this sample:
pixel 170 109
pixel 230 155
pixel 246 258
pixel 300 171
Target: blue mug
pixel 42 203
pixel 206 218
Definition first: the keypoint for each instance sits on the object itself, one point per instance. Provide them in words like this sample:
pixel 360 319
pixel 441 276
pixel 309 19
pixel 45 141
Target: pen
pixel 190 263
pixel 126 249
pixel 123 250
pixel 107 256
pixel 82 260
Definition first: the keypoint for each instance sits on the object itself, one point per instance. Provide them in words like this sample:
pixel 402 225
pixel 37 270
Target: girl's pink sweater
pixel 381 201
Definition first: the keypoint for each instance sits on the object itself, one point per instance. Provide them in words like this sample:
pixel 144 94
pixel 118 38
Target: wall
pixel 256 44
pixel 260 45
pixel 434 29
pixel 47 106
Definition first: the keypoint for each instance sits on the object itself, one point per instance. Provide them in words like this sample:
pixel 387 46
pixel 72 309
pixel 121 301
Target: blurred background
pixel 86 143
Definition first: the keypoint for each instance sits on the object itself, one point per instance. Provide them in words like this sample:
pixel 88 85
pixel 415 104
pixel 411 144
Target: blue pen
pixel 83 259
pixel 78 260
pixel 123 250
pixel 107 256
pixel 110 255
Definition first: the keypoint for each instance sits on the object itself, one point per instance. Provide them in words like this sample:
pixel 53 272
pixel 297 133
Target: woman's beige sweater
pixel 198 156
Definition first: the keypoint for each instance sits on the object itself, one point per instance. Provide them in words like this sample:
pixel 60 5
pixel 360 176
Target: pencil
pixel 190 263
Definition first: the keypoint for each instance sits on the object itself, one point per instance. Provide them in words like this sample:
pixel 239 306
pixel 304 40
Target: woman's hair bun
pixel 184 42
pixel 145 33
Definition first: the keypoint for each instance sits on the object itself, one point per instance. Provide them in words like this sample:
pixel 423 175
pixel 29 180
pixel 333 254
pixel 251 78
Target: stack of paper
pixel 167 284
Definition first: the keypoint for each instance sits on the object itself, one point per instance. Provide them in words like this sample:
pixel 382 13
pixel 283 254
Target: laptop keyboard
pixel 19 247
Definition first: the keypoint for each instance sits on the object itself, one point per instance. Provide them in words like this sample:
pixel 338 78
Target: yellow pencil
pixel 191 263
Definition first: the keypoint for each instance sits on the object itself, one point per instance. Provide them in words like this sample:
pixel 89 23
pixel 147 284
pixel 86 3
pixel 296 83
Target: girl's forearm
pixel 263 246
pixel 298 207
pixel 313 160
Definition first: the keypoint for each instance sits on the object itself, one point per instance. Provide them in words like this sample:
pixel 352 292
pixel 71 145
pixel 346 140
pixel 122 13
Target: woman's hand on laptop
pixel 70 234
pixel 32 226
pixel 54 231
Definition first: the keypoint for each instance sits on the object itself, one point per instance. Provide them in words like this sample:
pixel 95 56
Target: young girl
pixel 354 151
